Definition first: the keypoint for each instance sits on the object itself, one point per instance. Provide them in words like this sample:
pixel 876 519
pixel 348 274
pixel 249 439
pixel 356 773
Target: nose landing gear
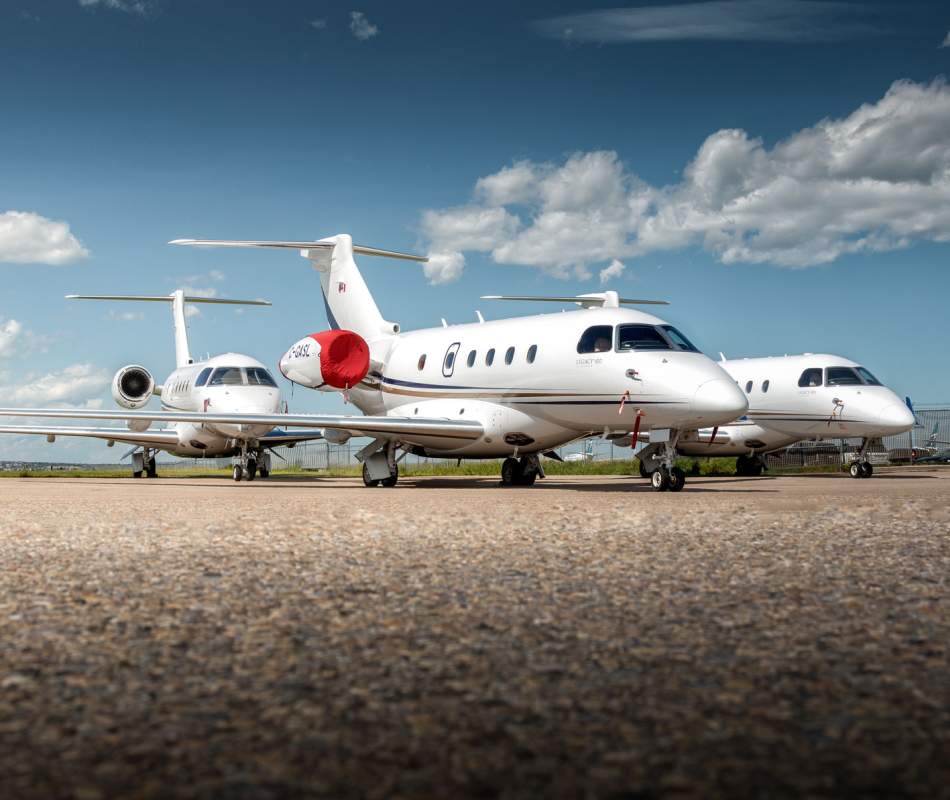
pixel 667 476
pixel 248 463
pixel 749 466
pixel 521 472
pixel 861 466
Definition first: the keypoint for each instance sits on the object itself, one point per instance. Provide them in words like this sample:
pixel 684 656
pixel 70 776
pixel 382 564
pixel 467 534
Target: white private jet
pixel 510 388
pixel 794 398
pixel 228 383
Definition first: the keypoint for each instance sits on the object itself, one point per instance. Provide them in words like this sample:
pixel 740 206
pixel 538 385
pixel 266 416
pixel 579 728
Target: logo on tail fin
pixel 341 288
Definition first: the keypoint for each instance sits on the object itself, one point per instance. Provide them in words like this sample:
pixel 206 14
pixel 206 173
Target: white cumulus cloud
pixel 28 238
pixel 875 180
pixel 75 384
pixel 614 269
pixel 141 7
pixel 946 40
pixel 444 267
pixel 361 27
pixel 9 333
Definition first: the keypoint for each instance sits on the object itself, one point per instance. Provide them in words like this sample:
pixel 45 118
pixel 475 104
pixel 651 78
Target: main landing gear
pixel 380 467
pixel 749 466
pixel 248 464
pixel 144 463
pixel 861 466
pixel 521 472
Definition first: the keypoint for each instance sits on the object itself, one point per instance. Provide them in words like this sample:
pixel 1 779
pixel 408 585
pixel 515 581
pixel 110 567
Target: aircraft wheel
pixel 137 474
pixel 391 480
pixel 527 478
pixel 741 466
pixel 367 480
pixel 251 470
pixel 264 473
pixel 660 479
pixel 855 470
pixel 237 473
pixel 151 471
pixel 755 469
pixel 866 469
pixel 644 472
pixel 510 471
pixel 677 479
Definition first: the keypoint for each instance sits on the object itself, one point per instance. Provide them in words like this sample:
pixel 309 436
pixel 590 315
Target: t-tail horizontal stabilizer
pixel 593 300
pixel 357 248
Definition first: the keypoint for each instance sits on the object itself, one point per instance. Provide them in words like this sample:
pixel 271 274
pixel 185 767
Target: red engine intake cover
pixel 344 357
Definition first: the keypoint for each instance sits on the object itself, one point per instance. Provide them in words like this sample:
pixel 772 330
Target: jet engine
pixel 132 386
pixel 328 361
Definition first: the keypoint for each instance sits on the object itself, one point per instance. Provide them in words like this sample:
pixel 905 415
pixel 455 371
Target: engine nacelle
pixel 329 361
pixel 132 386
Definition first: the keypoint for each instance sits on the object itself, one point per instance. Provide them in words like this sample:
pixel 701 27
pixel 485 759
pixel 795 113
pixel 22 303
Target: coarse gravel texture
pixel 769 637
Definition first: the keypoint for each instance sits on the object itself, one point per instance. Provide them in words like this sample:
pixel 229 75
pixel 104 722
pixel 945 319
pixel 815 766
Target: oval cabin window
pixel 748 387
pixel 489 357
pixel 765 386
pixel 532 353
pixel 422 361
pixel 471 359
pixel 509 355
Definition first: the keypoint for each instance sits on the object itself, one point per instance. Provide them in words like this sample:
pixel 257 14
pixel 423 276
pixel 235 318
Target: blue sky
pixel 752 161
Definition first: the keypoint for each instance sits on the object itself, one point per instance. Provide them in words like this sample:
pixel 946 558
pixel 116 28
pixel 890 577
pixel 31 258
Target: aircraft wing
pixel 375 427
pixel 124 435
pixel 279 438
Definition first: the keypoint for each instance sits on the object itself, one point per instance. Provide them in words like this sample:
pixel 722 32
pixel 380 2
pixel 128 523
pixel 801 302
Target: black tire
pixel 151 470
pixel 527 478
pixel 367 480
pixel 742 469
pixel 755 469
pixel 660 480
pixel 137 474
pixel 251 470
pixel 855 470
pixel 677 479
pixel 263 473
pixel 867 470
pixel 644 472
pixel 392 480
pixel 237 473
pixel 510 472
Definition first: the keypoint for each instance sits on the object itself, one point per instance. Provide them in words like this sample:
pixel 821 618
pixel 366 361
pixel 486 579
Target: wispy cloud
pixel 361 27
pixel 946 40
pixel 141 7
pixel 76 383
pixel 317 24
pixel 716 20
pixel 28 238
pixel 126 316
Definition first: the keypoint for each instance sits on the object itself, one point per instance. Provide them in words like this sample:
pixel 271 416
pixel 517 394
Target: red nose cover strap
pixel 344 357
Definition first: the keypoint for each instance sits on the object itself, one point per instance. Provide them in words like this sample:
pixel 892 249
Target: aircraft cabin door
pixel 448 363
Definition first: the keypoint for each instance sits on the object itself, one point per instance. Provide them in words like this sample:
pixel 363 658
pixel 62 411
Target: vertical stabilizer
pixel 182 356
pixel 349 303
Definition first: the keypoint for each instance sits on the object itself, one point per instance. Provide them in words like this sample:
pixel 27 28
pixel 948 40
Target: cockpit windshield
pixel 227 376
pixel 869 379
pixel 680 341
pixel 258 376
pixel 641 337
pixel 841 376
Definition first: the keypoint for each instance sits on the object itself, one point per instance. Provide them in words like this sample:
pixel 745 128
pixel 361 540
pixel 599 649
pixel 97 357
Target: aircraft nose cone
pixel 897 416
pixel 719 401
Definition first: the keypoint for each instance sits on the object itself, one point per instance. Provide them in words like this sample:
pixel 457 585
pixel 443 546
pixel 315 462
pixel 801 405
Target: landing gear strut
pixel 667 476
pixel 245 464
pixel 380 467
pixel 144 463
pixel 861 466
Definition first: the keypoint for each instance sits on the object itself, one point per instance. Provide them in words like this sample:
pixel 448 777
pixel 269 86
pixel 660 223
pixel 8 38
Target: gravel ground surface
pixel 769 637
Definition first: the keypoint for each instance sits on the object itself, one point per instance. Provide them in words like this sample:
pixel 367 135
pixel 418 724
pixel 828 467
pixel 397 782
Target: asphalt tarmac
pixel 587 637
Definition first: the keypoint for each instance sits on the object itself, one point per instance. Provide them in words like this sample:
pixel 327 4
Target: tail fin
pixel 349 303
pixel 178 299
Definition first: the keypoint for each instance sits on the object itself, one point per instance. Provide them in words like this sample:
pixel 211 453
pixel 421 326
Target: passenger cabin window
pixel 596 339
pixel 489 357
pixel 679 341
pixel 227 376
pixel 869 379
pixel 641 337
pixel 748 387
pixel 532 353
pixel 810 377
pixel 422 362
pixel 258 376
pixel 471 359
pixel 449 361
pixel 765 386
pixel 842 376
pixel 509 355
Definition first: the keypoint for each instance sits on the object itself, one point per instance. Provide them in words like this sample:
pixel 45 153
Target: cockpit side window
pixel 680 341
pixel 641 337
pixel 810 377
pixel 258 376
pixel 596 339
pixel 842 376
pixel 869 379
pixel 227 376
pixel 203 376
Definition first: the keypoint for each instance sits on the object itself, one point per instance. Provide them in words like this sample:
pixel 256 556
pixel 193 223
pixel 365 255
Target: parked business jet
pixel 793 398
pixel 228 383
pixel 511 388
